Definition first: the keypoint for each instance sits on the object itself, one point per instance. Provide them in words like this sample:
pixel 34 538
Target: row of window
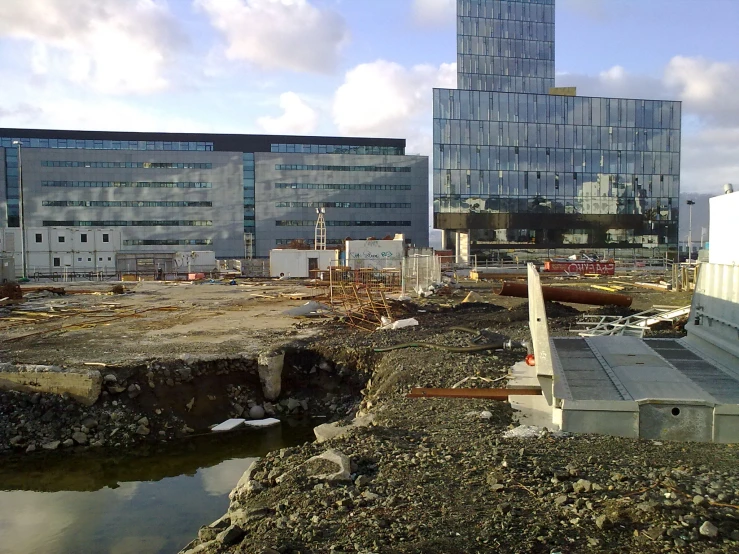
pixel 536 10
pixel 285 242
pixel 506 29
pixel 108 144
pixel 336 149
pixel 511 158
pixel 550 135
pixel 144 165
pixel 370 168
pixel 61 238
pixel 249 198
pixel 167 242
pixel 545 108
pixel 316 186
pixel 366 205
pixel 127 184
pixel 516 183
pixel 504 83
pixel 114 223
pixel 487 65
pixel 334 223
pixel 126 204
pixel 664 210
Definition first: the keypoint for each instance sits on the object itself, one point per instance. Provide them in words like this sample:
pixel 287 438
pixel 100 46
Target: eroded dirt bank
pixel 440 476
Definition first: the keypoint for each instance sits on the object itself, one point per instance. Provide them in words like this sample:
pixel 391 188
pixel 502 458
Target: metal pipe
pixel 557 294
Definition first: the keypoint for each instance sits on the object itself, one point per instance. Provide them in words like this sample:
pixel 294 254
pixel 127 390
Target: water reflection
pixel 150 501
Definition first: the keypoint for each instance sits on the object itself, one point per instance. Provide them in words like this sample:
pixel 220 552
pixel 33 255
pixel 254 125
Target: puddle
pixel 152 500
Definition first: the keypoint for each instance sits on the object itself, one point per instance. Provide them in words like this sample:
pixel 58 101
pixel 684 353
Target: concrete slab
pixel 257 423
pixel 229 425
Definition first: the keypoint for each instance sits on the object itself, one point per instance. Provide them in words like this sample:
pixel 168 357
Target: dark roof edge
pixel 219 140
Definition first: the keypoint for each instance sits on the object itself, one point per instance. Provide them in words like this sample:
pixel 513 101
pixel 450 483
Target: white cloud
pixel 298 118
pixel 113 46
pixel 435 12
pixel 385 99
pixel 279 34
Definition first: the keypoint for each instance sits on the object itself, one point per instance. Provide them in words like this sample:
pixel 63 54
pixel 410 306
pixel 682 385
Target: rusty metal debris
pixel 487 394
pixel 520 290
pixel 359 296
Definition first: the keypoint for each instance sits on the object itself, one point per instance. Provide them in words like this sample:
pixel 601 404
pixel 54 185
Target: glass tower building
pixel 520 165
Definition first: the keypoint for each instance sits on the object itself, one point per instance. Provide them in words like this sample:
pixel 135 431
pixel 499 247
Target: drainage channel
pixel 151 500
pixel 110 488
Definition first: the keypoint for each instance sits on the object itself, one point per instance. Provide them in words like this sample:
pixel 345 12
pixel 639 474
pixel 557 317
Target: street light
pixel 21 223
pixel 690 204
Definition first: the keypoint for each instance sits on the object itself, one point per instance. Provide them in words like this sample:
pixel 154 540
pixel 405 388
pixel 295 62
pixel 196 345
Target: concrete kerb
pixel 83 385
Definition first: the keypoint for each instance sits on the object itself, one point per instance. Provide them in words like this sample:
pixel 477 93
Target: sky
pixel 347 67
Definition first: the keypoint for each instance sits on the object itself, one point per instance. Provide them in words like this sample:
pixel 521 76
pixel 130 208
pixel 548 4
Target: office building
pixel 239 195
pixel 521 165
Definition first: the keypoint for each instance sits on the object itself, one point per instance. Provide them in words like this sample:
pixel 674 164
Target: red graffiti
pixel 581 267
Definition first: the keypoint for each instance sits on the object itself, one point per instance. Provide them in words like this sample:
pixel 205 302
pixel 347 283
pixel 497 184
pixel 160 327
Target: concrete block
pixel 270 373
pixel 677 421
pixel 83 385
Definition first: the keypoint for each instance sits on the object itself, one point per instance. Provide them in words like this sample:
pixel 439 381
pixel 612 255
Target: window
pixel 109 258
pixel 79 259
pixel 140 165
pixel 83 238
pixel 371 168
pixel 57 262
pixel 39 237
pixel 89 259
pixel 61 239
pixel 106 238
pixel 100 259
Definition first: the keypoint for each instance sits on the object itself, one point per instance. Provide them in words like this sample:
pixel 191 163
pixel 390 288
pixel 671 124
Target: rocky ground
pixel 441 475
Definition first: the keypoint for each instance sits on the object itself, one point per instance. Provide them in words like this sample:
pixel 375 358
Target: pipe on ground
pixel 557 294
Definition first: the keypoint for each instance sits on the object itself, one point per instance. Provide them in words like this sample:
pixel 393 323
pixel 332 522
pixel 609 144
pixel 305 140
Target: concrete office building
pixel 519 164
pixel 239 195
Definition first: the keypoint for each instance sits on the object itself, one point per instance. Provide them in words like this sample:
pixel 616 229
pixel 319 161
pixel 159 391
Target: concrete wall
pixel 724 229
pixel 84 385
pixel 224 217
pixel 268 195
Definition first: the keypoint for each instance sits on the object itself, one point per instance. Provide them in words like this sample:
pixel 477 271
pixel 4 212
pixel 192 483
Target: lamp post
pixel 690 204
pixel 21 222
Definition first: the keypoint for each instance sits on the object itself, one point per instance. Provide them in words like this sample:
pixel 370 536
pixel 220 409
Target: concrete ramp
pixel 673 389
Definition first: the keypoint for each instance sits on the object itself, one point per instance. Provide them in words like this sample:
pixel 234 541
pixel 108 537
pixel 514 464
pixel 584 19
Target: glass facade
pixel 517 167
pixel 505 45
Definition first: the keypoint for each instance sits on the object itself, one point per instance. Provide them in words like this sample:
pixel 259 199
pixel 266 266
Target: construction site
pixel 517 408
